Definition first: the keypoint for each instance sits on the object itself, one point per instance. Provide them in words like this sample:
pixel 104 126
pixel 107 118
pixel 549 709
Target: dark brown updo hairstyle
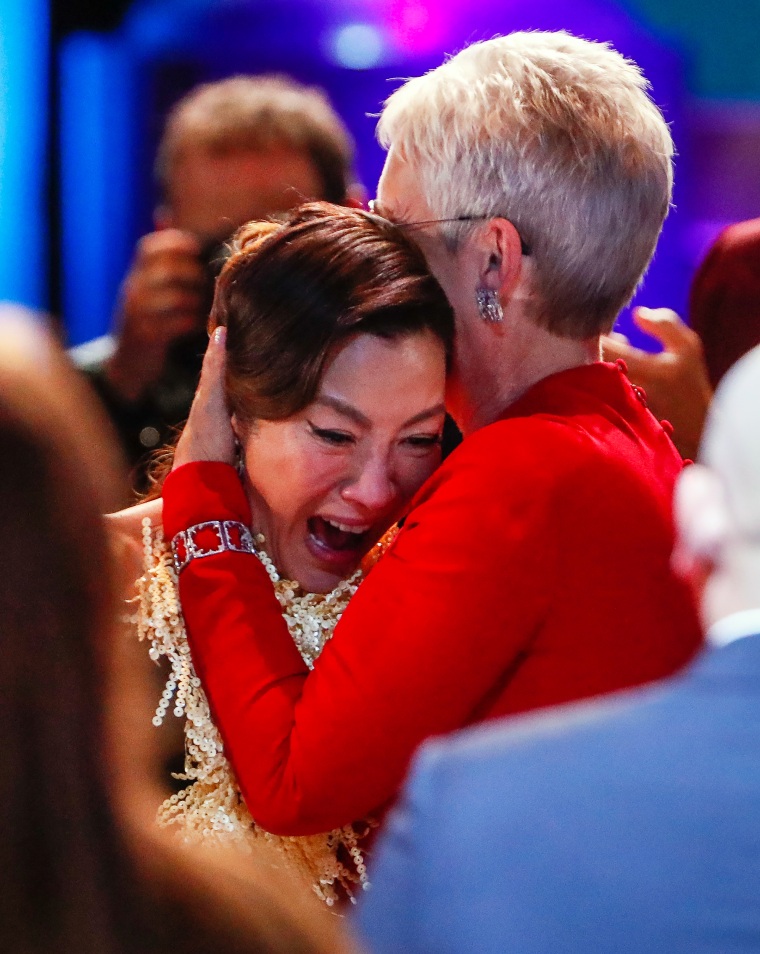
pixel 291 293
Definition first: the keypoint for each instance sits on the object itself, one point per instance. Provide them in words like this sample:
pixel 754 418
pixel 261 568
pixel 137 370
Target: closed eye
pixel 331 437
pixel 423 440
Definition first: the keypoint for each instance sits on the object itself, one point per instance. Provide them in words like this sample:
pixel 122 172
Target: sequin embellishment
pixel 211 807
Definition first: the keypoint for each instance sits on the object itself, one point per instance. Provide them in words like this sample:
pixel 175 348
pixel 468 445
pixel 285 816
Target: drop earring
pixel 489 305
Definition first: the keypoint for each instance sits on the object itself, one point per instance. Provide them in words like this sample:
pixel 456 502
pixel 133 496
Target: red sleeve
pixel 429 637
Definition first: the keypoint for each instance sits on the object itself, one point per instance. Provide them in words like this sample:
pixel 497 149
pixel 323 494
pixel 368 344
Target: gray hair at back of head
pixel 731 445
pixel 558 135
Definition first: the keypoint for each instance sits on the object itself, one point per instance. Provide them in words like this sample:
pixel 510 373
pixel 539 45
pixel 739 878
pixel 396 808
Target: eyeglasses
pixel 372 205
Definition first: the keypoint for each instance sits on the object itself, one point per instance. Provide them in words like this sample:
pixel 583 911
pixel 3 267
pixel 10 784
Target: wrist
pixel 203 491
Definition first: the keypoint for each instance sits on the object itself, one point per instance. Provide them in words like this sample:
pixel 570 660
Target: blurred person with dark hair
pixel 724 305
pixel 628 825
pixel 82 868
pixel 234 150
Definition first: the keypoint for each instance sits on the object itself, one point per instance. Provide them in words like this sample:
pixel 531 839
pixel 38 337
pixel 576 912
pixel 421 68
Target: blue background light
pixel 24 38
pixel 97 168
pixel 357 46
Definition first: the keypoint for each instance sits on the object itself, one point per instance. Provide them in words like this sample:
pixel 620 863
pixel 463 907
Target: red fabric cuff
pixel 200 491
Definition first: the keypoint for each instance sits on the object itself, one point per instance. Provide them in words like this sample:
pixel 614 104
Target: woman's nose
pixel 372 487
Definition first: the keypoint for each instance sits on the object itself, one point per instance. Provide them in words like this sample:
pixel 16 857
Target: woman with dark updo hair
pixel 336 343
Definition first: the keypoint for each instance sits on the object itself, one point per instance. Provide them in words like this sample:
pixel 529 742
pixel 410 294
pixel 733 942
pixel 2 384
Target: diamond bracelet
pixel 222 535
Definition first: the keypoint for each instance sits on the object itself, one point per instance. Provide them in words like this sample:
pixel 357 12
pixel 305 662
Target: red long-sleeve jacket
pixel 533 569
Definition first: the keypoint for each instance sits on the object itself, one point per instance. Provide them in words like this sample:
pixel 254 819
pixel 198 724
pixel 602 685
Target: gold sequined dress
pixel 211 806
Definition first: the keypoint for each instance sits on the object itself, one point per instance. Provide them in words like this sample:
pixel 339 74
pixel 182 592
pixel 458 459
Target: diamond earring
pixel 489 305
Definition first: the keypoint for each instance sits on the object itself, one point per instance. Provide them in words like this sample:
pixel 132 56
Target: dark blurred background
pixel 85 86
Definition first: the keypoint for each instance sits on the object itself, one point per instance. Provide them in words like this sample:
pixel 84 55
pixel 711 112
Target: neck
pixel 519 355
pixel 261 523
pixel 733 586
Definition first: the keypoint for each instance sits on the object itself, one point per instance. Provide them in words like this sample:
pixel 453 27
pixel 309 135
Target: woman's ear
pixel 502 257
pixel 236 428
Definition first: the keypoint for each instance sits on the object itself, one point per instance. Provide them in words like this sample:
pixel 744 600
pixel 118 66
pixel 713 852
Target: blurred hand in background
pixel 675 380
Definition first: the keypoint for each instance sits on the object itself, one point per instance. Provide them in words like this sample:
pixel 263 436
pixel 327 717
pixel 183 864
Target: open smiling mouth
pixel 337 543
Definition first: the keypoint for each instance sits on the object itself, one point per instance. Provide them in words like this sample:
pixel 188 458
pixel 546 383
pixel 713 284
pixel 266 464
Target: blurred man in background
pixel 239 149
pixel 625 826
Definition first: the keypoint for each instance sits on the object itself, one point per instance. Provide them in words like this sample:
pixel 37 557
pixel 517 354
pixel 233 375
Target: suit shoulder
pixel 537 738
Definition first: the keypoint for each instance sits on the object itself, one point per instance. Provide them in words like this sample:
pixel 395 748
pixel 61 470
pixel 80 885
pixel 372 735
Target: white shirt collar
pixel 734 626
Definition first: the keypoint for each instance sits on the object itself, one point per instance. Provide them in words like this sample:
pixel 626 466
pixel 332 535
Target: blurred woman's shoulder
pixel 214 898
pixel 126 528
pixel 129 522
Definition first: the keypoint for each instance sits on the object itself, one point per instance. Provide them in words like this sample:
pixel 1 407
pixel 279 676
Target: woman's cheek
pixel 274 462
pixel 314 471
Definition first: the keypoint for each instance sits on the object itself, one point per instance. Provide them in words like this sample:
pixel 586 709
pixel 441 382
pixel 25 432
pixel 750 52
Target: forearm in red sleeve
pixel 241 646
pixel 428 636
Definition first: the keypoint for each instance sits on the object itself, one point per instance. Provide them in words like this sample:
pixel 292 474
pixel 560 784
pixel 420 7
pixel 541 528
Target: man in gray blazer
pixel 624 826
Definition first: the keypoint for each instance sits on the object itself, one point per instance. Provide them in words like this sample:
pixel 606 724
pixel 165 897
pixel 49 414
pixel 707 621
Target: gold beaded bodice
pixel 211 807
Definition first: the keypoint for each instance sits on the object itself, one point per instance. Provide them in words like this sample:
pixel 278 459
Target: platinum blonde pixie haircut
pixel 558 135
